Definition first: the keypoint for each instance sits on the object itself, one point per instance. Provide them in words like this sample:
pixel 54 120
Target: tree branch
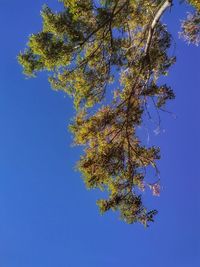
pixel 113 14
pixel 164 6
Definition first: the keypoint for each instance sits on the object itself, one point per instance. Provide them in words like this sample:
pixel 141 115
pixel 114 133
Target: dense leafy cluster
pixel 86 47
pixel 191 25
pixel 195 3
pixel 191 28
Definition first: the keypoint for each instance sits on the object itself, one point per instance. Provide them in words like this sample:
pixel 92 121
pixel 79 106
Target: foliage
pixel 195 3
pixel 191 28
pixel 88 46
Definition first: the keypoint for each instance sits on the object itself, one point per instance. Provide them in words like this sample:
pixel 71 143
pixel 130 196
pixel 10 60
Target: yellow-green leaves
pixel 30 62
pixel 191 28
pixel 195 3
pixel 88 46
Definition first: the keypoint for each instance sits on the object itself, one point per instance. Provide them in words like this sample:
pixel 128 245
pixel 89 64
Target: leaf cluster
pixel 87 46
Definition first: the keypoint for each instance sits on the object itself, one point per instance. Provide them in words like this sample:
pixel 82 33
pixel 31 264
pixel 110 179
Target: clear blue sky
pixel 47 217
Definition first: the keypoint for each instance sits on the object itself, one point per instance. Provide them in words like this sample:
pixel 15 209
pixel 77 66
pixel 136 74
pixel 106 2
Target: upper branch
pixel 164 6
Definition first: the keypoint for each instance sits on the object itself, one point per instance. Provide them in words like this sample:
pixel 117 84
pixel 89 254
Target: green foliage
pixel 83 47
pixel 195 3
pixel 191 28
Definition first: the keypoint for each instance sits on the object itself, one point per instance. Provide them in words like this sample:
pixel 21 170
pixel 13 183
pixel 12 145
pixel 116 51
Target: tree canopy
pixel 109 56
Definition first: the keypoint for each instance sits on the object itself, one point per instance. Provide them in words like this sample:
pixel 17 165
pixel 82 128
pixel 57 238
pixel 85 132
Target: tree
pixel 90 47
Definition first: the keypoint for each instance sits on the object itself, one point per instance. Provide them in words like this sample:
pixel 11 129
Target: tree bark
pixel 164 6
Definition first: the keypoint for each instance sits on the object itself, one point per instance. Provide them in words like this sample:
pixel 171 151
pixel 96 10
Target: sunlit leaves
pixel 86 47
pixel 191 28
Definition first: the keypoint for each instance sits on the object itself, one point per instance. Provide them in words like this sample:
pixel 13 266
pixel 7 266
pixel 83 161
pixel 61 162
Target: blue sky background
pixel 47 217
